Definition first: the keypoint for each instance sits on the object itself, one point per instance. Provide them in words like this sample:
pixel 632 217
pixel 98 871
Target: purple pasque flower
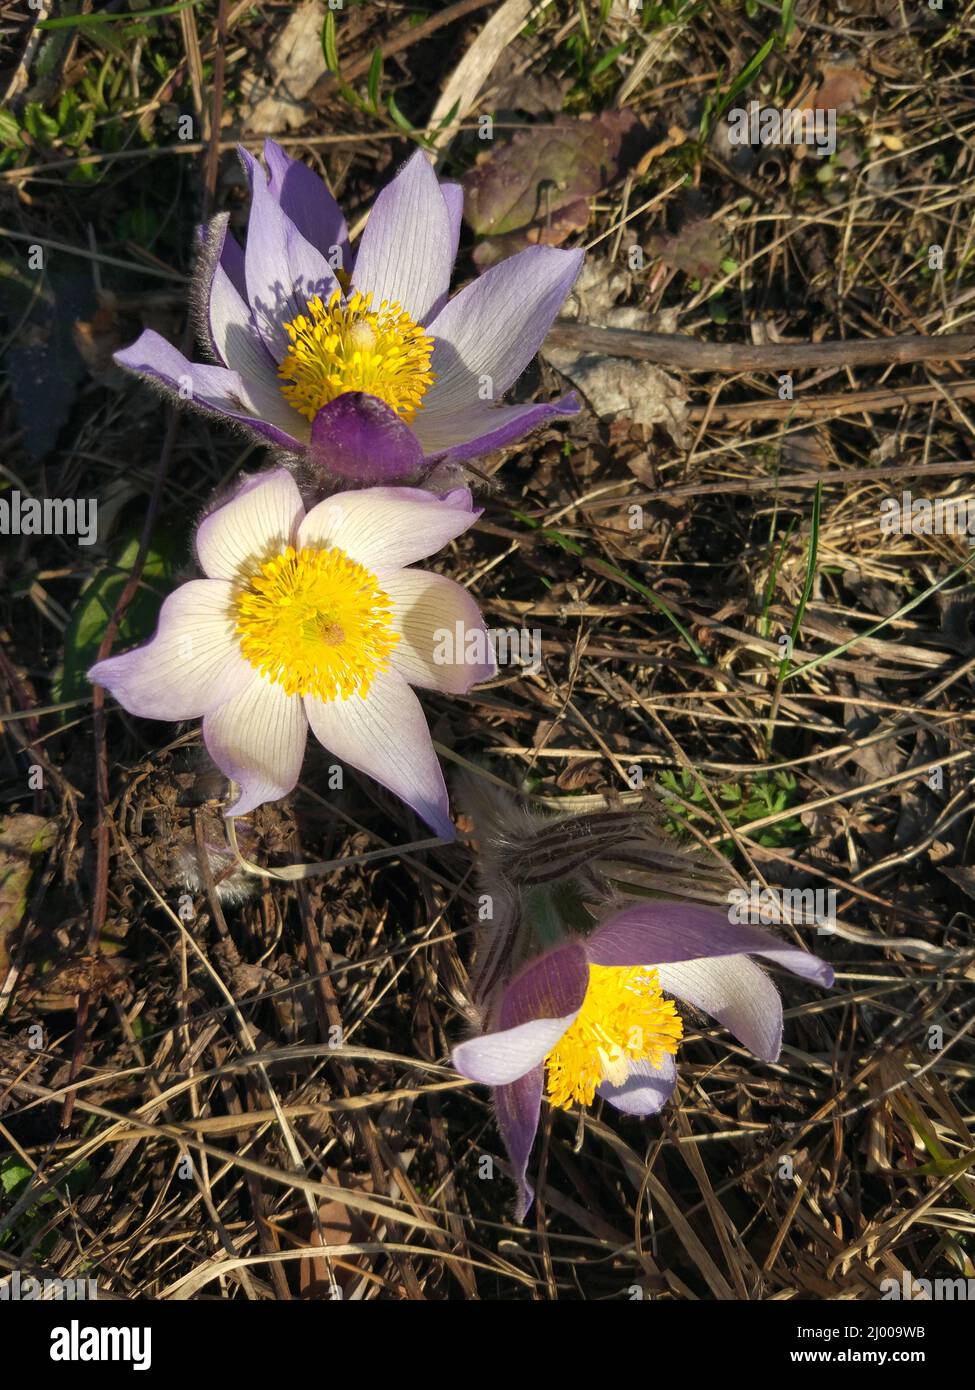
pixel 363 365
pixel 579 968
pixel 312 618
pixel 590 1016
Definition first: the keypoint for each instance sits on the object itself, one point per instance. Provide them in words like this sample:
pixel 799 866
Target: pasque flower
pixel 362 364
pixel 576 988
pixel 311 618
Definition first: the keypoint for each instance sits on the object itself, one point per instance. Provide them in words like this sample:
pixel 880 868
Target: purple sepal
pixel 361 438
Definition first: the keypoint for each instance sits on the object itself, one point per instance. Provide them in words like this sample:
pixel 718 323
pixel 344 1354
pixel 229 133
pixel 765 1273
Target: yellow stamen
pixel 352 347
pixel 624 1019
pixel 316 623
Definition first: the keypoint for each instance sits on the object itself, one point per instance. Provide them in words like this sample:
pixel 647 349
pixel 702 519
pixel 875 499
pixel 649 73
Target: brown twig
pixel 677 350
pixel 837 403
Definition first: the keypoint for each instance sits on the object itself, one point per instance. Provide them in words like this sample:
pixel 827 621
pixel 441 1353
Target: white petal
pixel 259 521
pixel 443 642
pixel 192 663
pixel 497 1059
pixel 735 991
pixel 258 740
pixel 385 528
pixel 385 735
pixel 645 1090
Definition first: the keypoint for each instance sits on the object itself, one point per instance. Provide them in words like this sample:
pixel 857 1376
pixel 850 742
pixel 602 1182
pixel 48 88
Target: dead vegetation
pixel 220 1085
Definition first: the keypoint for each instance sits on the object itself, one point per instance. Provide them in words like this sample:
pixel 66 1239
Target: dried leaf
pixel 841 89
pixel 696 249
pixel 551 232
pixel 22 838
pixel 542 171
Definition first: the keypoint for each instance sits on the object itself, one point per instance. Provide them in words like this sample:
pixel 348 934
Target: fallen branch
pixel 835 403
pixel 677 350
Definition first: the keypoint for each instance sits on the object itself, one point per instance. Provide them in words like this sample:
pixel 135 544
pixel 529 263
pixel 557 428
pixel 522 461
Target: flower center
pixel 352 347
pixel 624 1019
pixel 317 623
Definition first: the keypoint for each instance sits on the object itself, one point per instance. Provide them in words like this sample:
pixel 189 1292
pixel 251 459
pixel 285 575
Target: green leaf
pixel 90 21
pixel 608 59
pixel 442 125
pixel 93 611
pixel 397 115
pixel 14 1174
pixel 38 124
pixel 788 18
pixel 9 129
pixel 375 78
pixel 751 70
pixel 329 48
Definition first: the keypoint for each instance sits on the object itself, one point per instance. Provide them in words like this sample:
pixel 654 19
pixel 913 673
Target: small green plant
pixel 14 1177
pixel 741 802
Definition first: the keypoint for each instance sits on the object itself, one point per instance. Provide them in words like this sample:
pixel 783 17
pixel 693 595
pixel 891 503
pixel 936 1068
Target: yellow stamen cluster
pixel 316 623
pixel 624 1019
pixel 350 346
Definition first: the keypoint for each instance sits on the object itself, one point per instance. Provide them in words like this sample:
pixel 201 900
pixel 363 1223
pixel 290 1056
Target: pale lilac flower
pixel 576 985
pixel 363 365
pixel 311 619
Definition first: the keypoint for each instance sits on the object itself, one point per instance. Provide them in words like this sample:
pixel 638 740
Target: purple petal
pixel 405 254
pixel 153 355
pixel 655 933
pixel 645 1090
pixel 552 985
pixel 359 437
pixel 192 664
pixel 225 307
pixel 259 521
pixel 536 1009
pixel 735 991
pixel 235 340
pixel 443 641
pixel 487 334
pixel 385 735
pixel 474 432
pixel 283 270
pixel 385 528
pixel 211 388
pixel 517 1106
pixel 221 247
pixel 258 740
pixel 304 197
pixel 453 196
